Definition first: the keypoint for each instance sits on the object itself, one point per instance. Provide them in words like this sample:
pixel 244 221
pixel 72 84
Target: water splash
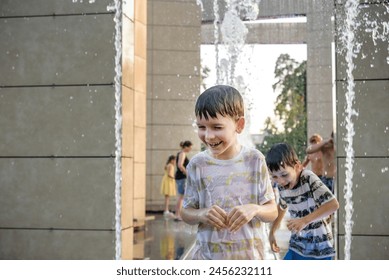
pixel 116 7
pixel 379 31
pixel 234 36
pixel 216 38
pixel 351 48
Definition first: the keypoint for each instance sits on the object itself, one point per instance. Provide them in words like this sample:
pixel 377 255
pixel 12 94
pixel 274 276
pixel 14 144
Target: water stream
pixel 116 7
pixel 348 40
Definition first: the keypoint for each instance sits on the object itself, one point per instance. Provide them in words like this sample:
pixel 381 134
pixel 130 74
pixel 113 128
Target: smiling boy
pixel 309 203
pixel 228 191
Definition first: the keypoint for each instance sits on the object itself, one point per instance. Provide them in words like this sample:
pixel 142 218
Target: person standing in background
pixel 182 161
pixel 316 159
pixel 168 184
pixel 327 148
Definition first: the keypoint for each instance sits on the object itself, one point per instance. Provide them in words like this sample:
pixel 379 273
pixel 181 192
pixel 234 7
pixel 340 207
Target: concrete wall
pixel 173 84
pixel 370 233
pixel 57 122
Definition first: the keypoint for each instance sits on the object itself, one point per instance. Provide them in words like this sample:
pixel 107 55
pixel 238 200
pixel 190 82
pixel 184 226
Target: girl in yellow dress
pixel 168 185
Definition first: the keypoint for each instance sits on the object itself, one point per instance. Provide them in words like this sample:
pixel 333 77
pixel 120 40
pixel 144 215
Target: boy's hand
pixel 296 225
pixel 240 215
pixel 216 217
pixel 273 243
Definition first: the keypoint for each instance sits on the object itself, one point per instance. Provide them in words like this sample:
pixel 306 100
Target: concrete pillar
pixel 173 81
pixel 370 233
pixel 134 122
pixel 319 68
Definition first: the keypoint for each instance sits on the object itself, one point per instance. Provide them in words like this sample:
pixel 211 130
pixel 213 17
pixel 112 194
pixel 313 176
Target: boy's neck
pixel 298 175
pixel 237 149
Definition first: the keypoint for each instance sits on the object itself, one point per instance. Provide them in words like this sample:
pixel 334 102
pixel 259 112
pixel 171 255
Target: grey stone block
pixel 371 126
pixel 370 196
pixel 57 50
pixel 366 248
pixel 11 8
pixel 31 244
pixel 57 193
pixel 57 121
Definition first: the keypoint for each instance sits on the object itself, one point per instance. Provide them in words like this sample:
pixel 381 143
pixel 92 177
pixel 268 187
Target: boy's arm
pixel 323 211
pixel 180 162
pixel 214 216
pixel 275 225
pixel 306 161
pixel 170 171
pixel 315 147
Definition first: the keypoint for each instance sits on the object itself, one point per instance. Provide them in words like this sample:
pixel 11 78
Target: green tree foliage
pixel 290 106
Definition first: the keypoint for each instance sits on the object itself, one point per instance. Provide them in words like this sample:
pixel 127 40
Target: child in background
pixel 309 203
pixel 229 192
pixel 168 184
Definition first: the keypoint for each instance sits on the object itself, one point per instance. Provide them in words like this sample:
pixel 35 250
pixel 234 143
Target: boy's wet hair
pixel 315 138
pixel 281 155
pixel 220 99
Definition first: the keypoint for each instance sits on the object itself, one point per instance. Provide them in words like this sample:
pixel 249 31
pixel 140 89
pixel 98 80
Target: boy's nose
pixel 209 134
pixel 280 181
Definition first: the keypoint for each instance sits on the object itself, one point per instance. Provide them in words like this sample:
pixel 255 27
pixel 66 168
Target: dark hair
pixel 186 143
pixel 171 157
pixel 220 99
pixel 281 155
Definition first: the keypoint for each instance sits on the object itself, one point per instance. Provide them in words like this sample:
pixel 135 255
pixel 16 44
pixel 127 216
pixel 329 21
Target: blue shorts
pixel 181 184
pixel 292 255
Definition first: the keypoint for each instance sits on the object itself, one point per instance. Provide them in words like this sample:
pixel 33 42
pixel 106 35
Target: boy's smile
pixel 286 177
pixel 220 135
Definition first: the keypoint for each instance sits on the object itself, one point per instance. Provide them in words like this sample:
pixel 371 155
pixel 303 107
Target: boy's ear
pixel 240 123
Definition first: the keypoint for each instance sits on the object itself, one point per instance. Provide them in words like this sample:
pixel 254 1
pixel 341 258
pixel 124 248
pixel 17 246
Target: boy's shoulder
pixel 309 176
pixel 253 153
pixel 199 158
pixel 247 154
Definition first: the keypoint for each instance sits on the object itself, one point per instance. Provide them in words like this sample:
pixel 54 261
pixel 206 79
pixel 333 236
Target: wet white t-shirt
pixel 228 183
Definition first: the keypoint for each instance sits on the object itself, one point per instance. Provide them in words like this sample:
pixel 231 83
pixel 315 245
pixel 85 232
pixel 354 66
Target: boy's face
pixel 286 177
pixel 220 135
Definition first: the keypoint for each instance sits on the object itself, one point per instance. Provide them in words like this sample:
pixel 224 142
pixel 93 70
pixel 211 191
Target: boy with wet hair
pixel 309 203
pixel 228 192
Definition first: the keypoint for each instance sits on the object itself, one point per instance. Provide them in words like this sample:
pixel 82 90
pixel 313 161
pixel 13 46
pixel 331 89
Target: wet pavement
pixel 166 239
